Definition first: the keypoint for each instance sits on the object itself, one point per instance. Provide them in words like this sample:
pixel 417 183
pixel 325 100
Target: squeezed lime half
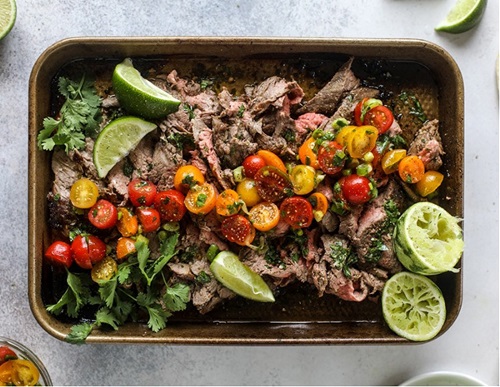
pixel 464 15
pixel 8 11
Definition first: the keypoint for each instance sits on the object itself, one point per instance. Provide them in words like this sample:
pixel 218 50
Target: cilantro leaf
pixel 74 298
pixel 176 297
pixel 79 333
pixel 106 316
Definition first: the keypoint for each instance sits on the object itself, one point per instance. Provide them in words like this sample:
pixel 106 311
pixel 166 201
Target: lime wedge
pixel 117 140
pixel 140 97
pixel 428 240
pixel 238 277
pixel 413 306
pixel 7 16
pixel 464 15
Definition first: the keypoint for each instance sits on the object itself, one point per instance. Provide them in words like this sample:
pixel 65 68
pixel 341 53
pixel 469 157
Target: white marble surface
pixel 470 346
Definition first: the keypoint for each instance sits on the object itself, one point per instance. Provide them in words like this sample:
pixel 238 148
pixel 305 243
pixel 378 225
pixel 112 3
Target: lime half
pixel 117 140
pixel 233 274
pixel 413 306
pixel 139 96
pixel 7 16
pixel 464 15
pixel 428 240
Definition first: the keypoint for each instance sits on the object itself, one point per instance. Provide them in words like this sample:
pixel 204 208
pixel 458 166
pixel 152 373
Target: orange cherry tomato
pixel 271 159
pixel 127 223
pixel 186 177
pixel 319 203
pixel 201 199
pixel 124 247
pixel 411 169
pixel 391 159
pixel 264 216
pixel 6 370
pixel 228 203
pixel 307 155
pixel 429 183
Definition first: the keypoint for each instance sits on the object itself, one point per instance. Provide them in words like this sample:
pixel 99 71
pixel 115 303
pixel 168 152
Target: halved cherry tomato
pixel 319 203
pixel 297 212
pixel 391 159
pixel 104 270
pixel 411 169
pixel 19 372
pixel 186 177
pixel 170 205
pixel 83 193
pixel 264 216
pixel 149 218
pixel 141 192
pixel 356 189
pixel 365 105
pixel 252 164
pixel 343 135
pixel 228 203
pixel 103 214
pixel 380 117
pixel 247 190
pixel 331 157
pixel 429 183
pixel 124 247
pixel 87 250
pixel 6 371
pixel 303 179
pixel 361 141
pixel 58 253
pixel 127 223
pixel 272 160
pixel 6 354
pixel 238 229
pixel 201 199
pixel 273 184
pixel 307 155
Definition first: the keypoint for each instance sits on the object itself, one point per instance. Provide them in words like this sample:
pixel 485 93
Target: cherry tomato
pixel 344 134
pixel 307 155
pixel 83 193
pixel 391 159
pixel 201 199
pixel 127 223
pixel 264 216
pixel 297 212
pixel 170 205
pixel 103 214
pixel 365 105
pixel 272 160
pixel 331 157
pixel 6 370
pixel 361 141
pixel 149 218
pixel 252 164
pixel 411 169
pixel 429 183
pixel 247 190
pixel 380 117
pixel 303 179
pixel 272 184
pixel 124 247
pixel 238 229
pixel 6 354
pixel 88 250
pixel 339 202
pixel 319 204
pixel 141 192
pixel 228 203
pixel 356 189
pixel 186 177
pixel 104 270
pixel 19 372
pixel 58 253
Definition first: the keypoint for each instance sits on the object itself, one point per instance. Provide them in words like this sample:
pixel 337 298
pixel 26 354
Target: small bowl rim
pixel 429 376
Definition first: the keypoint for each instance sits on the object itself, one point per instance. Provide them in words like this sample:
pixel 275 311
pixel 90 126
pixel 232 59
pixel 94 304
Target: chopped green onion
pixel 239 174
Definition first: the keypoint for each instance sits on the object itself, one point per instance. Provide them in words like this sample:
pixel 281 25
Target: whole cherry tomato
pixel 59 253
pixel 186 177
pixel 6 354
pixel 149 218
pixel 103 214
pixel 88 250
pixel 141 192
pixel 356 189
pixel 252 164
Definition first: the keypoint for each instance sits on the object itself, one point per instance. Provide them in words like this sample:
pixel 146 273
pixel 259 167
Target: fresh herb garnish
pixel 343 258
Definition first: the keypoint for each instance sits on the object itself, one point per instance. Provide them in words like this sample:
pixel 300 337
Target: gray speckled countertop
pixel 470 346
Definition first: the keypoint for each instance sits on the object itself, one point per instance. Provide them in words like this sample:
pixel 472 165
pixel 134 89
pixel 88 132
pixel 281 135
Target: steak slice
pixel 428 146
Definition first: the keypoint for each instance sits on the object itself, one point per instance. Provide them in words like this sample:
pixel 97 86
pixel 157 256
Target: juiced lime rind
pixel 413 306
pixel 238 277
pixel 464 15
pixel 140 97
pixel 428 240
pixel 117 140
pixel 8 13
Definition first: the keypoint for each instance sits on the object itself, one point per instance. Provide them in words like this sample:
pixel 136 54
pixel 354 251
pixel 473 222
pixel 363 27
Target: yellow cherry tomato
pixel 303 179
pixel 343 136
pixel 247 190
pixel 19 372
pixel 361 141
pixel 228 203
pixel 271 159
pixel 307 155
pixel 186 177
pixel 429 183
pixel 104 270
pixel 83 193
pixel 264 216
pixel 391 159
pixel 201 199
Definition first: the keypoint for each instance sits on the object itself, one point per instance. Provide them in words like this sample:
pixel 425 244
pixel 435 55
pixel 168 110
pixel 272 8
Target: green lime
pixel 428 240
pixel 233 274
pixel 464 15
pixel 116 141
pixel 140 97
pixel 413 306
pixel 7 16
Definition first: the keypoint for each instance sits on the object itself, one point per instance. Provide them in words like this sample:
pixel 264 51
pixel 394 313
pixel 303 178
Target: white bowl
pixel 443 378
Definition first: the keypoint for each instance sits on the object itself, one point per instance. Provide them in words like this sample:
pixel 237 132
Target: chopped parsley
pixel 343 258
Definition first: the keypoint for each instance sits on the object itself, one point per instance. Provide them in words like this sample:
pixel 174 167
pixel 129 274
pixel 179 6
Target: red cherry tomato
pixel 59 253
pixel 88 250
pixel 380 117
pixel 252 164
pixel 6 354
pixel 272 184
pixel 331 157
pixel 356 189
pixel 297 212
pixel 149 218
pixel 170 205
pixel 358 112
pixel 103 214
pixel 141 192
pixel 238 229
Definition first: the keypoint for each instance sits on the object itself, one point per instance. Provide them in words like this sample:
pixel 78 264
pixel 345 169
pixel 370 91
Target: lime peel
pixel 8 13
pixel 464 15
